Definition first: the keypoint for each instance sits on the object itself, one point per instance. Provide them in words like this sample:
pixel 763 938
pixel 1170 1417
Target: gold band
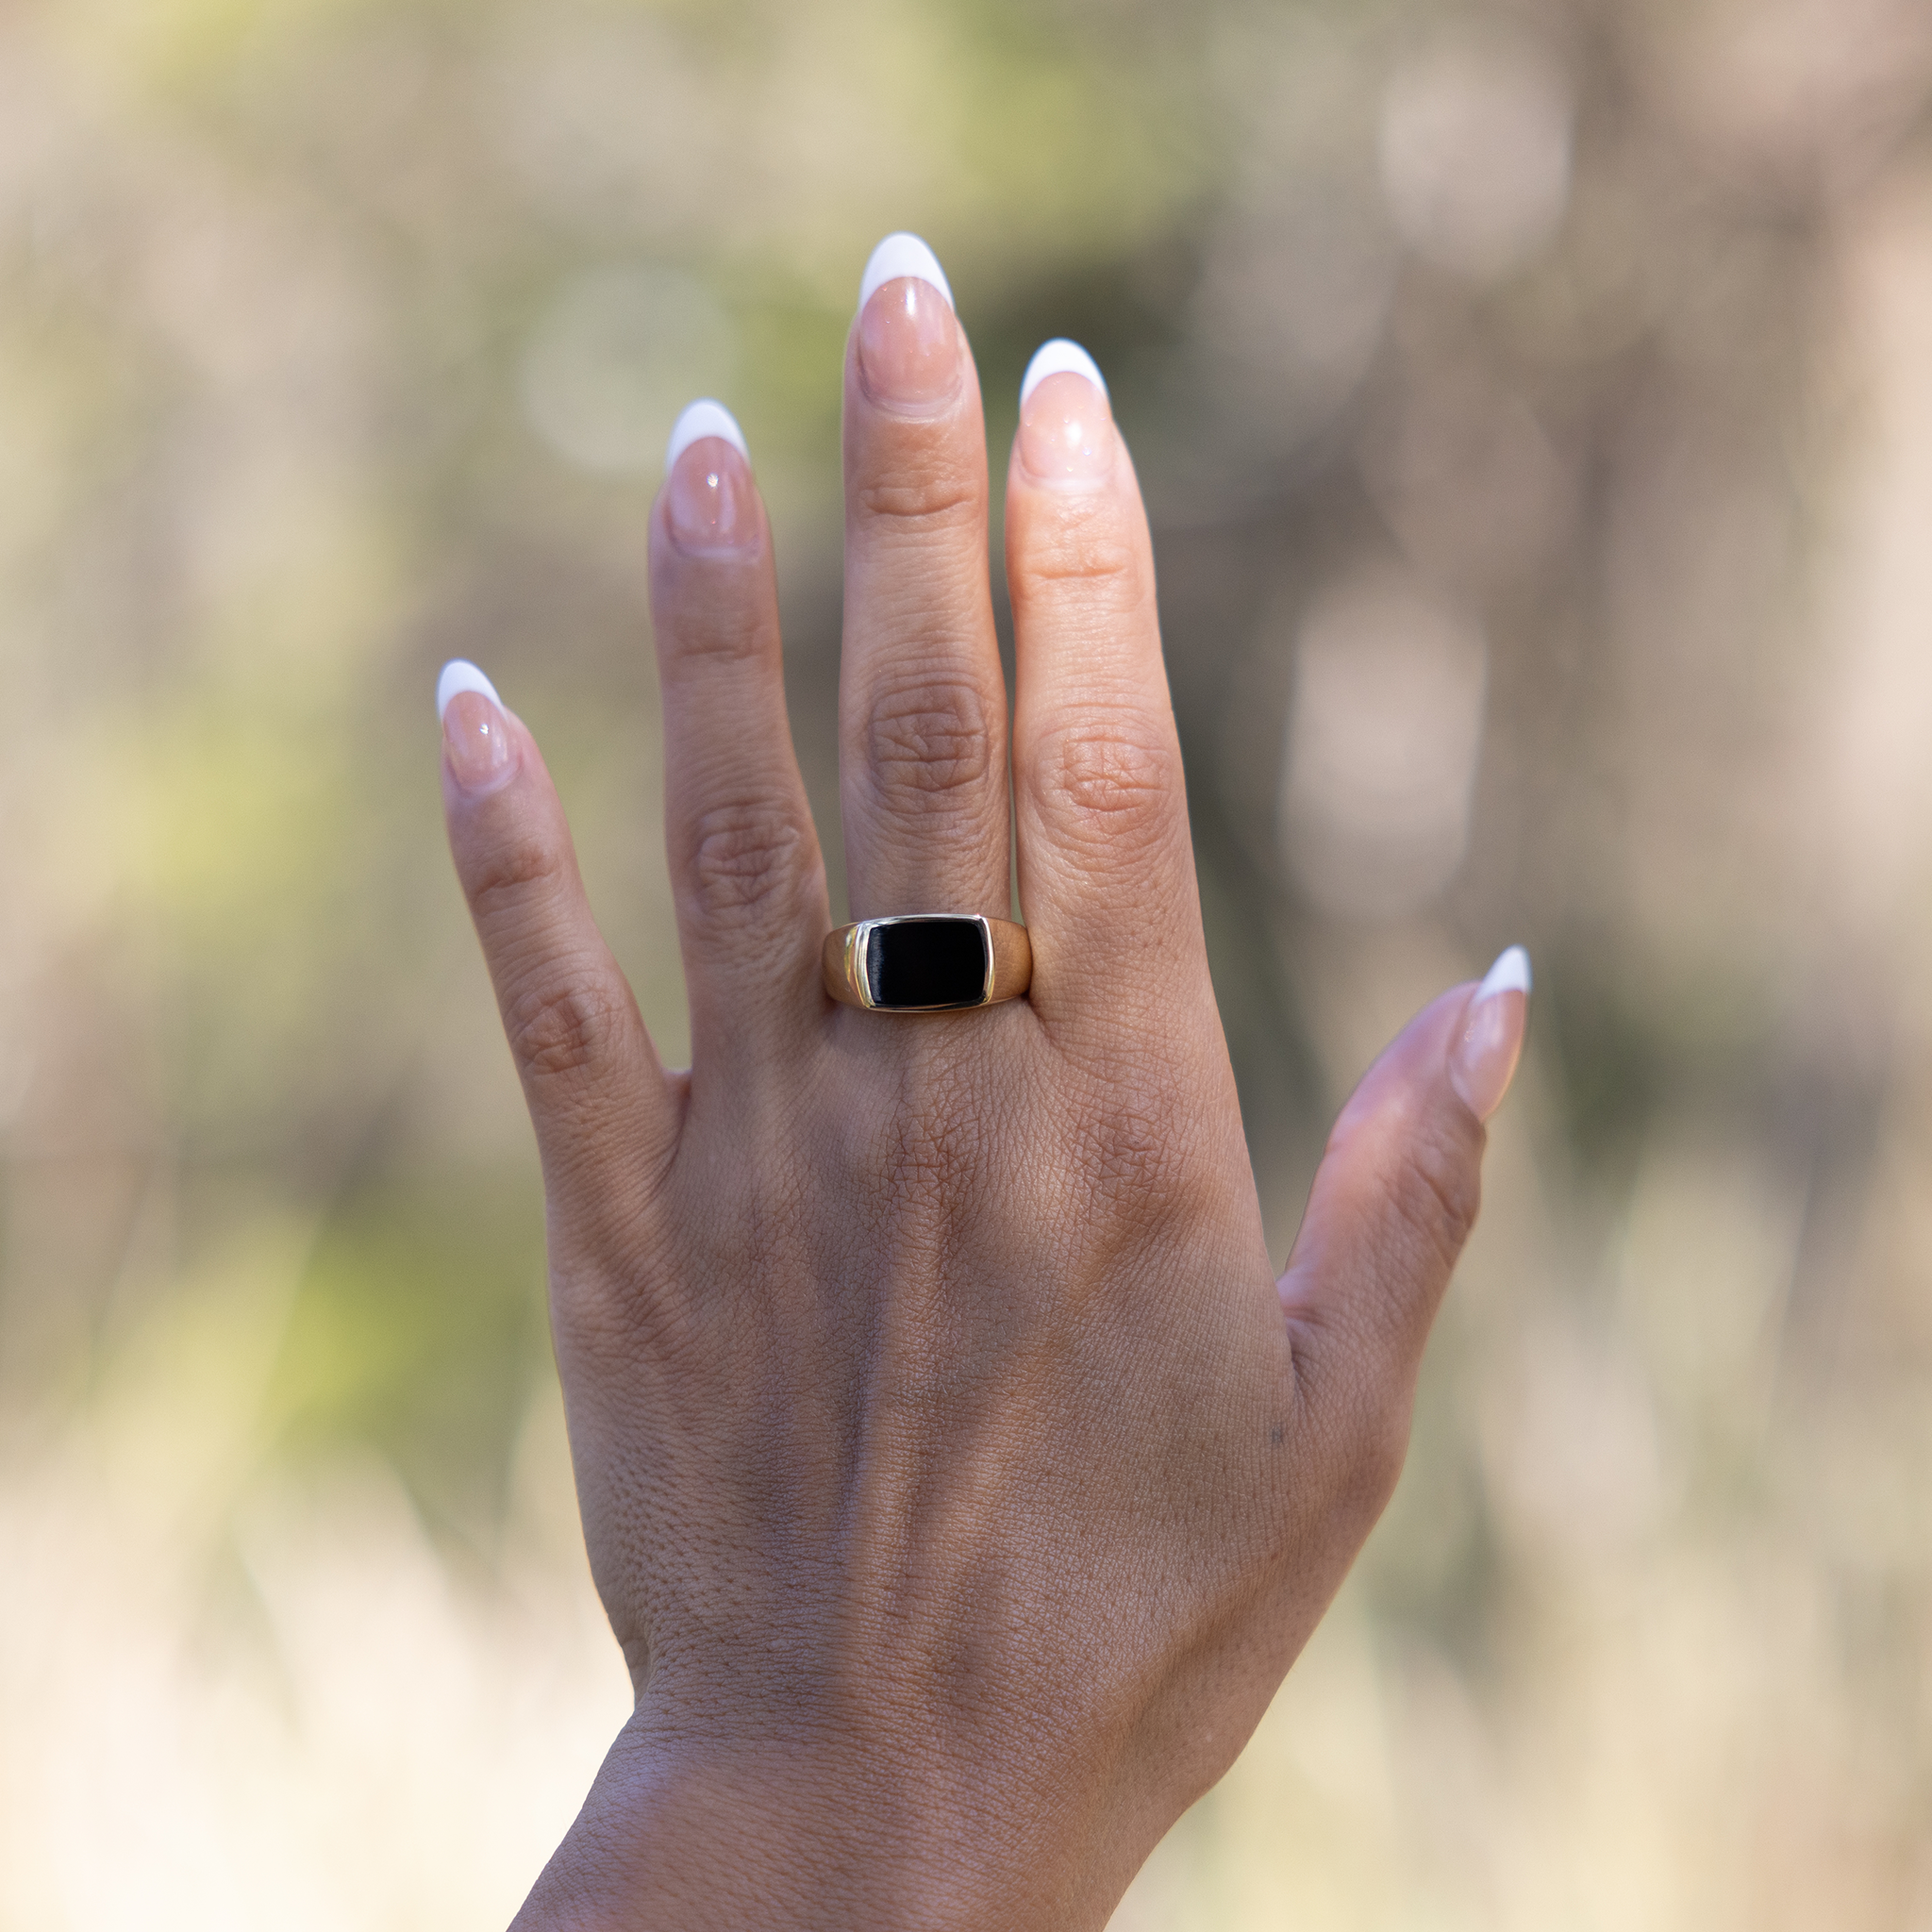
pixel 928 962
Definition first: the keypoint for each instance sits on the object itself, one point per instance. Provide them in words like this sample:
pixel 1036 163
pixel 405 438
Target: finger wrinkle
pixel 743 852
pixel 694 637
pixel 1081 556
pixel 1435 1192
pixel 945 505
pixel 1111 782
pixel 514 877
pixel 931 738
pixel 566 1022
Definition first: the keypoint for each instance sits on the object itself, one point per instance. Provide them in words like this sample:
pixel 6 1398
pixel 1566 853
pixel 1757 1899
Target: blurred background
pixel 1535 403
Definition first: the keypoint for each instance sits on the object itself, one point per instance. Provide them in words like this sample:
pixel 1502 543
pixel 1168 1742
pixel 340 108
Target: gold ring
pixel 928 962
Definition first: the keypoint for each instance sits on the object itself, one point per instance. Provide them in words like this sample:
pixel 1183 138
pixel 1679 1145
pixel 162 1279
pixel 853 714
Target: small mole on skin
pixel 1274 1435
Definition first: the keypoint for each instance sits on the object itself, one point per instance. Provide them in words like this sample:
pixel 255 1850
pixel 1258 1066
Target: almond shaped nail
pixel 902 254
pixel 476 733
pixel 710 502
pixel 1066 427
pixel 1483 1058
pixel 702 418
pixel 1059 358
pixel 910 352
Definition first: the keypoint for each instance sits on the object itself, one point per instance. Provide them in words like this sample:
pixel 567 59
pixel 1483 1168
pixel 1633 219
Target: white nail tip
pixel 1510 974
pixel 1059 358
pixel 903 255
pixel 459 675
pixel 700 419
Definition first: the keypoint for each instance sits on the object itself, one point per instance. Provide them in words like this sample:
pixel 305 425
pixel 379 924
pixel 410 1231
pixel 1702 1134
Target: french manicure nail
pixel 1482 1060
pixel 1066 427
pixel 475 736
pixel 909 339
pixel 710 502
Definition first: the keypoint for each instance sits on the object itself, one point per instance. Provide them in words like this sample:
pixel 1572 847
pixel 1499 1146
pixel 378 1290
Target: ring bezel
pixel 870 968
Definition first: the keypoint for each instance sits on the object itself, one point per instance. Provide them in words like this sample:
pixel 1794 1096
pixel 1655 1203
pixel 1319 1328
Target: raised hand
pixel 959 1477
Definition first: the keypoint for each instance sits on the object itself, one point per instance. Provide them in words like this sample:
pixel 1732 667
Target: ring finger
pixel 922 701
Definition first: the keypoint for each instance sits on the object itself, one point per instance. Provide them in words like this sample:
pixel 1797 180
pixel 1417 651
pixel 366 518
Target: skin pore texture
pixel 959 1476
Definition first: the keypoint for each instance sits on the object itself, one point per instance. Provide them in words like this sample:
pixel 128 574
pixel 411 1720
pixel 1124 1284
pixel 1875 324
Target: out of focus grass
pixel 1534 409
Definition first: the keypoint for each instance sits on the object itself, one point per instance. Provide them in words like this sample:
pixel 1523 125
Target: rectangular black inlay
pixel 926 963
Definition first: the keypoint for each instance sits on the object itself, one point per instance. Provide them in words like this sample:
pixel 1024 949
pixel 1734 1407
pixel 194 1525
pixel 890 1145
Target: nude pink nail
pixel 476 734
pixel 909 339
pixel 1066 427
pixel 710 502
pixel 1482 1060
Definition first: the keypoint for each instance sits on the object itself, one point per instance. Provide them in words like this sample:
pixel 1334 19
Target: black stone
pixel 926 963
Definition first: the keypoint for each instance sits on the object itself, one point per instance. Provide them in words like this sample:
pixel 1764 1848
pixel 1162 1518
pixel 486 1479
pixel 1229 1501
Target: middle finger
pixel 922 701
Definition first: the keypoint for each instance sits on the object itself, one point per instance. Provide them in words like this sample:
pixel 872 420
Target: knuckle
pixel 1149 1180
pixel 744 854
pixel 566 1023
pixel 914 496
pixel 715 630
pixel 922 1159
pixel 1139 1163
pixel 514 873
pixel 932 741
pixel 1131 1156
pixel 1111 782
pixel 1089 552
pixel 1135 1137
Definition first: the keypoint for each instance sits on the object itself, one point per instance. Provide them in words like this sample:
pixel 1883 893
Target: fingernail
pixel 1066 427
pixel 475 736
pixel 1483 1059
pixel 908 341
pixel 710 502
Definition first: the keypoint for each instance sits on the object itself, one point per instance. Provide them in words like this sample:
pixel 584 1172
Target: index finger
pixel 1107 869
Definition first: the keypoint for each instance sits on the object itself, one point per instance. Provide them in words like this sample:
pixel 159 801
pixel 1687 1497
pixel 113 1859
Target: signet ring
pixel 928 962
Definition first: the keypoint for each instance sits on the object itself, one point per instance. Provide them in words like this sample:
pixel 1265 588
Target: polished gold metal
pixel 1008 962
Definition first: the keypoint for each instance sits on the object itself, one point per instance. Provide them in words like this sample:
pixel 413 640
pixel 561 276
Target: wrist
pixel 740 1825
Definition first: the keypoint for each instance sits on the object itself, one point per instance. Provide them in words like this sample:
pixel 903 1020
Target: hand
pixel 958 1478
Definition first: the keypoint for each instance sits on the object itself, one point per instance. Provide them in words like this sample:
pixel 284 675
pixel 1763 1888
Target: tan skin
pixel 959 1477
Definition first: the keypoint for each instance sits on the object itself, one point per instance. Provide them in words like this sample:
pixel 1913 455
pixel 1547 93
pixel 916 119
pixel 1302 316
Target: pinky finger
pixel 605 1114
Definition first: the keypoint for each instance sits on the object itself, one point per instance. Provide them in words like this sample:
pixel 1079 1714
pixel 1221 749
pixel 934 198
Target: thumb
pixel 1396 1195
